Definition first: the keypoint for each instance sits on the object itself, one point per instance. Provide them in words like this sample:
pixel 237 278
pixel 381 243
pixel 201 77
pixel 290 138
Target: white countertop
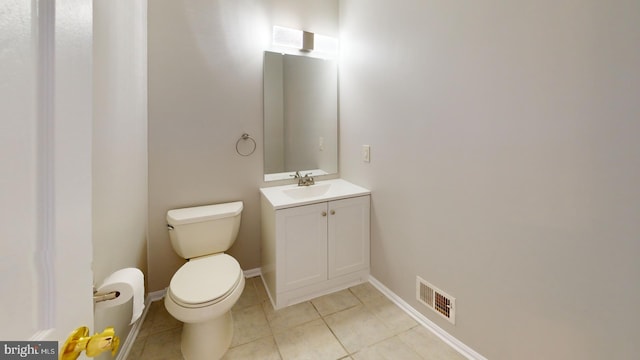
pixel 336 189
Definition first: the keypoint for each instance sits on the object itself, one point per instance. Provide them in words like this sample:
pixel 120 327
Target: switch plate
pixel 366 153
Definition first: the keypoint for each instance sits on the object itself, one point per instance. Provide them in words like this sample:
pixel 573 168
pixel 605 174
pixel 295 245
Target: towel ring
pixel 245 136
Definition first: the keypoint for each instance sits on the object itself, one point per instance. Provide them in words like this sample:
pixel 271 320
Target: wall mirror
pixel 300 116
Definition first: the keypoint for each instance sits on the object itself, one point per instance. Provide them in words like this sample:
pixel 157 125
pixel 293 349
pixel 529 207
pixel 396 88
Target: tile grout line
pixel 157 316
pixel 152 319
pixel 366 308
pixel 331 330
pixel 260 304
pixel 262 301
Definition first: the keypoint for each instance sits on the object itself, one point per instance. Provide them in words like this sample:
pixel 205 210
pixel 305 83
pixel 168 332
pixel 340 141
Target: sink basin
pixel 305 192
pixel 286 196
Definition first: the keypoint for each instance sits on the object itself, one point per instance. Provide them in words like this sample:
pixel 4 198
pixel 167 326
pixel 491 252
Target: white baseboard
pixel 456 344
pixel 157 295
pixel 252 273
pixel 125 348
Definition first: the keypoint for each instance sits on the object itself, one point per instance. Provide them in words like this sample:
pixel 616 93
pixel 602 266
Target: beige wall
pixel 205 90
pixel 505 165
pixel 119 148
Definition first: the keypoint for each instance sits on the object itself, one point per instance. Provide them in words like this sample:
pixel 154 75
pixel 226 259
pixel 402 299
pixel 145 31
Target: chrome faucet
pixel 305 180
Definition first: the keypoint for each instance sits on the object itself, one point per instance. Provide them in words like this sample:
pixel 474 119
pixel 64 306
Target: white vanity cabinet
pixel 301 246
pixel 348 236
pixel 315 248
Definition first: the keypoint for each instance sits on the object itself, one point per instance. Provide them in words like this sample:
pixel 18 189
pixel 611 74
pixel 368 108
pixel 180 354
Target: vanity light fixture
pixel 304 40
pixel 287 37
pixel 307 41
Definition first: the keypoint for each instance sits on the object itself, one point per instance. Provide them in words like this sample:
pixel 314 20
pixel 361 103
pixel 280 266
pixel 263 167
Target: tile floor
pixel 356 323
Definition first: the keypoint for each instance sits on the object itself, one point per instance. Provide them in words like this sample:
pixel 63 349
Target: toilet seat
pixel 205 281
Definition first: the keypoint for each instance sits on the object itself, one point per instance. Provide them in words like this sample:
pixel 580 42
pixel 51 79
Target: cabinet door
pixel 348 237
pixel 301 250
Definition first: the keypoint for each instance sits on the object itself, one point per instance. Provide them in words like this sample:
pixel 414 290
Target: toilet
pixel 203 291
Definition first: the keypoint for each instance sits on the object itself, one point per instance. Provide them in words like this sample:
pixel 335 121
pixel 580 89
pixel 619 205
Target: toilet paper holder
pixel 100 297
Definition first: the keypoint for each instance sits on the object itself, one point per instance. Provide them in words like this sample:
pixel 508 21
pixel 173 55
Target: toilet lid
pixel 205 279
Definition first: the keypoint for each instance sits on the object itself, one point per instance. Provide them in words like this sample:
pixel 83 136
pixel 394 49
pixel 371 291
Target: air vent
pixel 436 299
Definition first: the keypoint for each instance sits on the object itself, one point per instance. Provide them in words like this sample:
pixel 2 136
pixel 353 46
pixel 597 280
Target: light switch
pixel 366 153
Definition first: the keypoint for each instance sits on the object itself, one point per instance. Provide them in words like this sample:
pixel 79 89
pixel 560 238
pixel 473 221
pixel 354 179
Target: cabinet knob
pixel 333 212
pixel 324 213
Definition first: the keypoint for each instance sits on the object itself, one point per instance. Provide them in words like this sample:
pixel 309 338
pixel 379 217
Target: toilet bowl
pixel 201 295
pixel 203 291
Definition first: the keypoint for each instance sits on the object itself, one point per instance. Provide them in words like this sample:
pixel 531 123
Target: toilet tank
pixel 204 230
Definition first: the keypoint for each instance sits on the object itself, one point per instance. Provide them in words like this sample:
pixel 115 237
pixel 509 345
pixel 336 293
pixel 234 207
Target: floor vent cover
pixel 436 300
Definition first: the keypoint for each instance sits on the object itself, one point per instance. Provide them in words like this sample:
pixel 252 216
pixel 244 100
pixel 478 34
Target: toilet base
pixel 207 340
